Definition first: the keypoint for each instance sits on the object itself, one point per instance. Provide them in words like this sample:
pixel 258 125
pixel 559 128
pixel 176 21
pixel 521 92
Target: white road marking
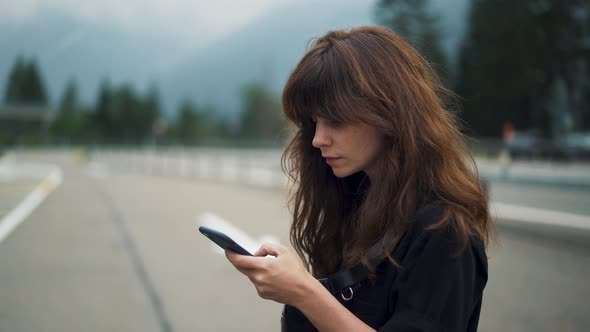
pixel 539 216
pixel 36 197
pixel 213 221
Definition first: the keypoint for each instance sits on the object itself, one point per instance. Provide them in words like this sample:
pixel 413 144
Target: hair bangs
pixel 322 85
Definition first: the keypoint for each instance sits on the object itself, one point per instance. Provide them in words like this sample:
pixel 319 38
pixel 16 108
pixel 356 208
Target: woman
pixel 376 158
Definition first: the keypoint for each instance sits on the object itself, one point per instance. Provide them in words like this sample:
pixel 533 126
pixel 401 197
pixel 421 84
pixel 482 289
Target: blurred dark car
pixel 527 145
pixel 531 145
pixel 576 146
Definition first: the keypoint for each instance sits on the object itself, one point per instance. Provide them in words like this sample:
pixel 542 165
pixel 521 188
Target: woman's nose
pixel 321 137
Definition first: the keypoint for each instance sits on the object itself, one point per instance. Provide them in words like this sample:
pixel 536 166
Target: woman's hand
pixel 276 273
pixel 284 279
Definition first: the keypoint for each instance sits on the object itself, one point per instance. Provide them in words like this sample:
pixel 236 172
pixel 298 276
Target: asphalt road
pixel 114 251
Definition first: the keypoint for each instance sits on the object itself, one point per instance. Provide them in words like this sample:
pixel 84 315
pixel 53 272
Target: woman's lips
pixel 331 160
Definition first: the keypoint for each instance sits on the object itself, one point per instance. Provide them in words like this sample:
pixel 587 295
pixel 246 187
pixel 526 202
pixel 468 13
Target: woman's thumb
pixel 268 248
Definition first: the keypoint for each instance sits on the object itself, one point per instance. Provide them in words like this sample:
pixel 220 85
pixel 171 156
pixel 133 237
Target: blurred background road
pixel 119 250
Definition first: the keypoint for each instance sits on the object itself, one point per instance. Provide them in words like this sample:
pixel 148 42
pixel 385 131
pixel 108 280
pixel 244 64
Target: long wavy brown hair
pixel 371 75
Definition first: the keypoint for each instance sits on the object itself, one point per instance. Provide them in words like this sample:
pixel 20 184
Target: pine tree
pixel 125 108
pixel 261 114
pixel 69 122
pixel 132 116
pixel 151 111
pixel 103 112
pixel 412 20
pixel 34 90
pixel 25 85
pixel 186 127
pixel 15 82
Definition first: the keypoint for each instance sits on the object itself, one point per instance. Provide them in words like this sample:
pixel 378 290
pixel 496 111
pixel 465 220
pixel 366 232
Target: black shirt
pixel 437 288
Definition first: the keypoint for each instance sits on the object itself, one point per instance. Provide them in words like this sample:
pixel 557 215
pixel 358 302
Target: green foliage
pixel 103 117
pixel 193 125
pixel 514 55
pixel 25 85
pixel 262 119
pixel 132 117
pixel 120 116
pixel 70 122
pixel 123 116
pixel 24 93
pixel 584 115
pixel 412 20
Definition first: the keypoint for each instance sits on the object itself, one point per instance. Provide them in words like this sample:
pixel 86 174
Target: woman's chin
pixel 341 173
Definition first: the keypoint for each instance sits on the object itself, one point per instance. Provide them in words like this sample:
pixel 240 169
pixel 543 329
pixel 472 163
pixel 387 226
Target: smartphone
pixel 223 240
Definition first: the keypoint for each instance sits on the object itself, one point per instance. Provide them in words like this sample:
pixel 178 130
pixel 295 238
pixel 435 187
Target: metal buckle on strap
pixel 347 298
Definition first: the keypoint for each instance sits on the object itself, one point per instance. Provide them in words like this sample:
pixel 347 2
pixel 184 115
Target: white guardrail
pixel 253 167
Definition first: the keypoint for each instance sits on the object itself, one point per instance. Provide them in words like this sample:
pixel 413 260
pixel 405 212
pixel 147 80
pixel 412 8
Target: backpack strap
pixel 346 281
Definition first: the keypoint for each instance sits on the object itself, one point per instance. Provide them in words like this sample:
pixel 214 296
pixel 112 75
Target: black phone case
pixel 223 240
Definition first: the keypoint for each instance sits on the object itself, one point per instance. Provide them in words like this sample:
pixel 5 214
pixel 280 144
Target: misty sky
pixel 181 18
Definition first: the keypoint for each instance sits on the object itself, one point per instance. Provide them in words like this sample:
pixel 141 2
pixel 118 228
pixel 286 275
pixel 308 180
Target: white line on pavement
pixel 36 197
pixel 215 222
pixel 540 216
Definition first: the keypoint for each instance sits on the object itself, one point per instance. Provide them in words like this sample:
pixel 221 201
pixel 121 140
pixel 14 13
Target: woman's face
pixel 347 148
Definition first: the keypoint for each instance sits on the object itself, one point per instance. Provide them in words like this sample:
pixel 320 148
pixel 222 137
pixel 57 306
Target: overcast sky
pixel 184 17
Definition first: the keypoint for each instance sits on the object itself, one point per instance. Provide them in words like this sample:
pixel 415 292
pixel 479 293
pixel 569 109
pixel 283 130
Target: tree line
pixel 123 116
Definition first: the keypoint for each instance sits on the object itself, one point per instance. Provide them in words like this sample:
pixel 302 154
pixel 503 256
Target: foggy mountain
pixel 266 51
pixel 269 48
pixel 65 47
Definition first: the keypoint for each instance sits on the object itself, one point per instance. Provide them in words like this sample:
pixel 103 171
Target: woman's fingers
pixel 271 249
pixel 246 262
pixel 261 252
pixel 274 271
pixel 239 260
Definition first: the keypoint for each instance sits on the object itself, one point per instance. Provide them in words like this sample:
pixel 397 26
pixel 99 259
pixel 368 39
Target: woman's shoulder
pixel 426 227
pixel 428 220
pixel 428 215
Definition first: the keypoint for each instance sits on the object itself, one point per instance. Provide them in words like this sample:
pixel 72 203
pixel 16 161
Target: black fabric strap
pixel 351 276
